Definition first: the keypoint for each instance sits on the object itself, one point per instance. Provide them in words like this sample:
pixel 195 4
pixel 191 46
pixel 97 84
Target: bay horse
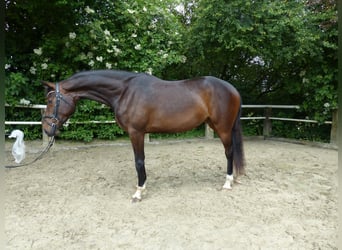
pixel 143 103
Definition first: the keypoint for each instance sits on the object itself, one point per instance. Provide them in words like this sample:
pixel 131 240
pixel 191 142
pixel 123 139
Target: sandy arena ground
pixel 78 197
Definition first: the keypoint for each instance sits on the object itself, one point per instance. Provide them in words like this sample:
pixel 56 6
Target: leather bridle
pixel 54 117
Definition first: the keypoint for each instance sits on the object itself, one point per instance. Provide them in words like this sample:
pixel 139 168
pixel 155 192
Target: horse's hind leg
pixel 226 139
pixel 229 176
pixel 137 140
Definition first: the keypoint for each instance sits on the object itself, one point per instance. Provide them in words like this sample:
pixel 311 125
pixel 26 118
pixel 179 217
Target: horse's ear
pixel 49 86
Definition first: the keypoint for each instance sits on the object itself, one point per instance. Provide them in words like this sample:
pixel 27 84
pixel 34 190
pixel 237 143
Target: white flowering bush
pixel 138 36
pixel 268 50
pixel 133 35
pixel 142 36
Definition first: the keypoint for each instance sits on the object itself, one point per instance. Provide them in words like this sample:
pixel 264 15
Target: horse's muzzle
pixel 50 128
pixel 52 132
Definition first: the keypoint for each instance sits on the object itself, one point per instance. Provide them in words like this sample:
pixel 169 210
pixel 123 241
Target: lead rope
pixel 51 142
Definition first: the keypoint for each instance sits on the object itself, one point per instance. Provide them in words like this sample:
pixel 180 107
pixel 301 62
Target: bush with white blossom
pixel 140 36
pixel 133 35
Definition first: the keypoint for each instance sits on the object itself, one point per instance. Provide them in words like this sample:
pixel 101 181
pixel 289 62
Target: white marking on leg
pixel 137 195
pixel 229 181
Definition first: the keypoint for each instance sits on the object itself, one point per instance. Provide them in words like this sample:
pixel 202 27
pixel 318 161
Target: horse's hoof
pixel 228 183
pixel 135 200
pixel 238 181
pixel 226 188
pixel 137 195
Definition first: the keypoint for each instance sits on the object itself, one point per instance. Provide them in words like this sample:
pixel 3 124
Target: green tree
pixel 63 37
pixel 319 76
pixel 273 51
pixel 52 40
pixel 28 25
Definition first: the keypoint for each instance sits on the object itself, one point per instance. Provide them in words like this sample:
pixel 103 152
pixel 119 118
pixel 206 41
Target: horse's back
pixel 220 86
pixel 180 95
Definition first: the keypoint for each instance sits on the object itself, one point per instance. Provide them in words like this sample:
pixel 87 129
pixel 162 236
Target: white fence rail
pixel 208 132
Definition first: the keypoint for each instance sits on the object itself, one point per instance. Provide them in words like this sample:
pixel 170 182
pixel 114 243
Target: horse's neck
pixel 104 92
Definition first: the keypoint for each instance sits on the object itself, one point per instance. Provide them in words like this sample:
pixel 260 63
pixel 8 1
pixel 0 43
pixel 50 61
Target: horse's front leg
pixel 137 140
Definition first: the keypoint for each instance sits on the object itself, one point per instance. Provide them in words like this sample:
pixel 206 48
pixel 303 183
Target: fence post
pixel 334 130
pixel 209 133
pixel 267 123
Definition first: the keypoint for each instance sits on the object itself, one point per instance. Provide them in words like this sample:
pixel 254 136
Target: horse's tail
pixel 238 152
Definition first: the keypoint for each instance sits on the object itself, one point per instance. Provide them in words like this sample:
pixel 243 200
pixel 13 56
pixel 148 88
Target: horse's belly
pixel 175 122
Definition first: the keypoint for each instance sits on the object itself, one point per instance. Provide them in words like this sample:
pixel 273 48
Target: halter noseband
pixel 54 117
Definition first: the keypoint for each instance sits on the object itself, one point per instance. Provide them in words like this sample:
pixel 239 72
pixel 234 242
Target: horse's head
pixel 60 106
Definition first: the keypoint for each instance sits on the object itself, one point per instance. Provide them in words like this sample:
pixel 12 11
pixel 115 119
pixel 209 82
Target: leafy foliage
pixel 79 126
pixel 84 35
pixel 274 52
